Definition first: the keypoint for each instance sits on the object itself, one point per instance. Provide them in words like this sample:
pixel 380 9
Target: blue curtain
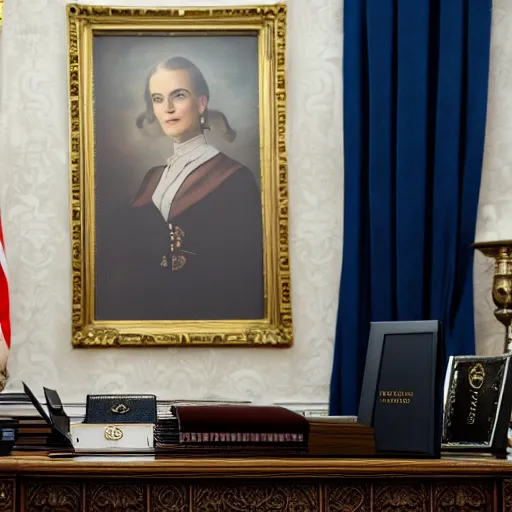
pixel 415 96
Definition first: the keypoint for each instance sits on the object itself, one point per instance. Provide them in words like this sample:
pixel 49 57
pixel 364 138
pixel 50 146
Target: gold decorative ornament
pixel 178 254
pixel 113 433
pixel 476 376
pixel 268 23
pixel 120 409
pixel 501 253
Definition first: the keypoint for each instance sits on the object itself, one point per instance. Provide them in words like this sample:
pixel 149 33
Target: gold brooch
pixel 178 254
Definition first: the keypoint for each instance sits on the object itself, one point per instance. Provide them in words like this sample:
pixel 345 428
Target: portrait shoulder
pixel 147 186
pixel 233 174
pixel 229 164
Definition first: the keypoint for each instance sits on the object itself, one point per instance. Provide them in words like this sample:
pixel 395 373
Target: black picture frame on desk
pixel 477 404
pixel 402 391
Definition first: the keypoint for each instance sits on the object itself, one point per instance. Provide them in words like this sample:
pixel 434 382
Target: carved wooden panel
pixel 7 495
pixel 347 498
pixel 260 498
pixel 507 495
pixel 464 497
pixel 401 498
pixel 45 496
pixel 169 498
pixel 140 495
pixel 115 497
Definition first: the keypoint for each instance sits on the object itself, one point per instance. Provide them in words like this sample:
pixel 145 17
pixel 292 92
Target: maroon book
pixel 248 424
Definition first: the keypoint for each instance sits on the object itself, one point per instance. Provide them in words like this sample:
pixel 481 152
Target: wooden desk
pixel 37 484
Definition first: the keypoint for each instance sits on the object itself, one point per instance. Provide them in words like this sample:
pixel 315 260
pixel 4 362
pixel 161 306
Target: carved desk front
pixel 37 484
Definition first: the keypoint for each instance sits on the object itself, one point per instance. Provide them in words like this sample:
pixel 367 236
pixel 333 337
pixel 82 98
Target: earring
pixel 201 120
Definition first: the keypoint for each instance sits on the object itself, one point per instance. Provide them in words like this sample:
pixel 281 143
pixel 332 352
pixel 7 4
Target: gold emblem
pixel 476 376
pixel 120 409
pixel 113 433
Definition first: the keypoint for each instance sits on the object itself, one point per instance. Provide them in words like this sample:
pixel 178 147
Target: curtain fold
pixel 415 99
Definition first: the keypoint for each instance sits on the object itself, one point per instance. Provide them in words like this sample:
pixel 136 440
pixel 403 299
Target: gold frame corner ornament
pixel 269 23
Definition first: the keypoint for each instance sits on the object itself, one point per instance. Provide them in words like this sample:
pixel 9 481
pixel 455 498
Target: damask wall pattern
pixel 495 208
pixel 35 207
pixel 34 195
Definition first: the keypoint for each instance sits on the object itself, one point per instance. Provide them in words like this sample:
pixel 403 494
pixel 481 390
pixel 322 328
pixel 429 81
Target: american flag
pixel 5 316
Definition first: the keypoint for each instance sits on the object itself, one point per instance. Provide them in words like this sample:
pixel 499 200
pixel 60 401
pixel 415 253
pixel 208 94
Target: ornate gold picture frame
pixel 179 202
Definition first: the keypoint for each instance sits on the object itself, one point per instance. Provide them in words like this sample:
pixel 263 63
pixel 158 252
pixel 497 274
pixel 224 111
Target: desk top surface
pixel 239 467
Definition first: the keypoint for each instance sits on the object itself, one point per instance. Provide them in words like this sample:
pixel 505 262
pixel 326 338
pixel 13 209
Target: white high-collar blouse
pixel 187 157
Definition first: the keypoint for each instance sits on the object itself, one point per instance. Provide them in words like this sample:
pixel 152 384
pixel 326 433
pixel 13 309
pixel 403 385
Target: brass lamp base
pixel 501 252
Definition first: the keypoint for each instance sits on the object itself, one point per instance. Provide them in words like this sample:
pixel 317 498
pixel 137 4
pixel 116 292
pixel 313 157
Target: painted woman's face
pixel 175 105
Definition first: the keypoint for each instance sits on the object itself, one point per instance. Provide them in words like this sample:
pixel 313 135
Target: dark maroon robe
pixel 211 268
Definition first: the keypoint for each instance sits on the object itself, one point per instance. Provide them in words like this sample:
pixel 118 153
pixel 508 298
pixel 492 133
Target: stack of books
pixel 231 430
pixel 23 428
pixel 186 429
pixel 26 427
pixel 11 414
pixel 166 431
pixel 264 431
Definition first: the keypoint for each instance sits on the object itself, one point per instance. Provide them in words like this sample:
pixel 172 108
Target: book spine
pixel 238 437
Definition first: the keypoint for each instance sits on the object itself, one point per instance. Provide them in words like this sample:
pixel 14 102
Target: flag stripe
pixel 5 314
pixel 3 259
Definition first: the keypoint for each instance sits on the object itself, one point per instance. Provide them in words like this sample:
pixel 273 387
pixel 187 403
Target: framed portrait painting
pixel 179 204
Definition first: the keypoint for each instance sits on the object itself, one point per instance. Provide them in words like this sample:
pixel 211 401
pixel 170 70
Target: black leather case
pixel 120 409
pixel 401 397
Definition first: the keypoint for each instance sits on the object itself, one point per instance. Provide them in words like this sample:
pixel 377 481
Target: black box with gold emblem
pixel 121 409
pixel 402 392
pixel 478 404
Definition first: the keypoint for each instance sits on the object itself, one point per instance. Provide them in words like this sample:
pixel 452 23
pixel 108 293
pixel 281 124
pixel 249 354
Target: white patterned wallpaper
pixel 495 208
pixel 34 195
pixel 34 198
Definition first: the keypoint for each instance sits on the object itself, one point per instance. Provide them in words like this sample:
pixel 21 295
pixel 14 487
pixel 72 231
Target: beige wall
pixel 495 209
pixel 34 197
pixel 34 194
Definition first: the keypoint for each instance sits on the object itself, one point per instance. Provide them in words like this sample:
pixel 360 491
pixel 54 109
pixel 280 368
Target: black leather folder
pixel 402 392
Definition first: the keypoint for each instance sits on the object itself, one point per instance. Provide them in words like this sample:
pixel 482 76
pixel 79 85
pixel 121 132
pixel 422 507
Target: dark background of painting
pixel 124 153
